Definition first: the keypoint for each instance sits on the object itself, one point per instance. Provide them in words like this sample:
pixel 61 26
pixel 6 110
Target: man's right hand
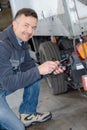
pixel 49 67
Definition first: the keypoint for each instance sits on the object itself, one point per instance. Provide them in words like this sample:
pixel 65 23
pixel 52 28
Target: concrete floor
pixel 69 110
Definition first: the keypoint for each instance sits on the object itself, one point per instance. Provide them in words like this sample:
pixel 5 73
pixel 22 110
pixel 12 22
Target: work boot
pixel 30 119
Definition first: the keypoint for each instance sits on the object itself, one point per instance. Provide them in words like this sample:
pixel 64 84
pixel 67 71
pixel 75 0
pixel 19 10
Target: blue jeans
pixel 8 119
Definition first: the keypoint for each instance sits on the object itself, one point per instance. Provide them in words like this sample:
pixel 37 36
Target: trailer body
pixel 57 17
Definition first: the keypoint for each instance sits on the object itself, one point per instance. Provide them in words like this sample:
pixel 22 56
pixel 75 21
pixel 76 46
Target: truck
pixel 61 34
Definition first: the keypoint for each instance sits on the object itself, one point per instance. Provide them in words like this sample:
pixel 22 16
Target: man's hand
pixel 49 67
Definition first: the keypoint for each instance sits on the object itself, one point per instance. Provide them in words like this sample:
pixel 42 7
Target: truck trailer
pixel 61 34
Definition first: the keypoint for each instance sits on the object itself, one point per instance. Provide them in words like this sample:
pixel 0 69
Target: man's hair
pixel 27 12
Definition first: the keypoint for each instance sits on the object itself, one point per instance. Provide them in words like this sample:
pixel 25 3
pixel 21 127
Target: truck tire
pixel 50 51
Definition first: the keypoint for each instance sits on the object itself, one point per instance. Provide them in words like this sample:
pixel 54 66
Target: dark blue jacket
pixel 17 69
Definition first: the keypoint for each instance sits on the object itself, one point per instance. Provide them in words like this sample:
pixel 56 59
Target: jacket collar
pixel 13 39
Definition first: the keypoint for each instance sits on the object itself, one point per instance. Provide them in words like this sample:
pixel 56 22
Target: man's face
pixel 24 27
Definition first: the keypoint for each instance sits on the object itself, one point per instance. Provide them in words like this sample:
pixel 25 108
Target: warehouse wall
pixel 5 14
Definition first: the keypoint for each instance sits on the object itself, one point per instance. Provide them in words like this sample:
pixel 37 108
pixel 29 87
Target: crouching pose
pixel 18 70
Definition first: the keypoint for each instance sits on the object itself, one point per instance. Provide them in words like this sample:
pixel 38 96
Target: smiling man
pixel 18 70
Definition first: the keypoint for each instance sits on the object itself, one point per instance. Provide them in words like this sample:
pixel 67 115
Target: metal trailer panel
pixel 43 8
pixel 57 17
pixel 78 16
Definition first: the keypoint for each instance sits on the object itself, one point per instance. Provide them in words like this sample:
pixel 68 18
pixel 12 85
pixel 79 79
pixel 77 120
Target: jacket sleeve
pixel 10 81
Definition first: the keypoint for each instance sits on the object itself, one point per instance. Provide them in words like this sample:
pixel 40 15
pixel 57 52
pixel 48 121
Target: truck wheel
pixel 50 51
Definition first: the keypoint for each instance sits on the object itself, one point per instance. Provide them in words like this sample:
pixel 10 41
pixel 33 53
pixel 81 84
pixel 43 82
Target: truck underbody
pixel 64 51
